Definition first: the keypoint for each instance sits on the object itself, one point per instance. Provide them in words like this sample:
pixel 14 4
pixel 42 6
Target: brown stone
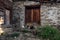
pixel 46 16
pixel 42 15
pixel 48 19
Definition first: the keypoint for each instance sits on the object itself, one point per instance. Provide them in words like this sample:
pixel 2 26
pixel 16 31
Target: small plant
pixel 48 32
pixel 13 35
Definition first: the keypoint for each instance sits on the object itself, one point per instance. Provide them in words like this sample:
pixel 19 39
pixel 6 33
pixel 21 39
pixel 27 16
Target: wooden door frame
pixel 38 6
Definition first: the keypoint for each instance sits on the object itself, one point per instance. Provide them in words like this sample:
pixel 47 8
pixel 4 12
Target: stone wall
pixel 50 14
pixel 19 10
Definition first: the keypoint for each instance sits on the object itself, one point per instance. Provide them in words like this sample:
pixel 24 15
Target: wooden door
pixel 32 14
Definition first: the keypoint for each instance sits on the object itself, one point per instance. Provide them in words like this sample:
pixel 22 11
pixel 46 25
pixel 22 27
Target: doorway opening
pixel 32 14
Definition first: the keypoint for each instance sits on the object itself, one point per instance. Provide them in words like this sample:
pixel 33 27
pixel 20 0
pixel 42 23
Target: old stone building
pixel 19 13
pixel 22 12
pixel 39 12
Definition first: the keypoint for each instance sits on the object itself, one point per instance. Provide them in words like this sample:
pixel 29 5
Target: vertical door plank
pixel 36 15
pixel 28 15
pixel 31 15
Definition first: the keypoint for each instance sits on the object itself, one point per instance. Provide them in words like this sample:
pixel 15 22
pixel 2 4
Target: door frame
pixel 30 6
